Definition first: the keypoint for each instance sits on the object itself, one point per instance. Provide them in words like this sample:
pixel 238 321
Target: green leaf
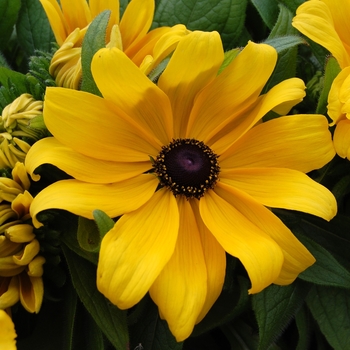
pixel 103 221
pixel 88 235
pixel 332 70
pixel 95 39
pixel 284 39
pixel 330 308
pixel 8 16
pixel 225 16
pixel 274 308
pixel 109 318
pixel 33 28
pixel 292 4
pixel 10 78
pixel 268 10
pixel 150 331
pixel 53 327
pixel 327 270
pixel 302 320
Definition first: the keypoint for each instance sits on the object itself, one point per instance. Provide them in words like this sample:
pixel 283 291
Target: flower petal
pixel 31 292
pixel 56 19
pixel 82 198
pixel 281 143
pixel 244 79
pixel 342 138
pixel 98 6
pixel 136 21
pixel 316 20
pixel 282 96
pixel 9 291
pixel 215 259
pixel 7 332
pixel 81 167
pixel 129 89
pixel 194 64
pixel 259 253
pixel 77 13
pixel 136 250
pixel 101 130
pixel 283 188
pixel 296 257
pixel 180 289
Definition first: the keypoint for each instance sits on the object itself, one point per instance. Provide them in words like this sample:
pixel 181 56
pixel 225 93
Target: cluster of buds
pixel 16 134
pixel 21 266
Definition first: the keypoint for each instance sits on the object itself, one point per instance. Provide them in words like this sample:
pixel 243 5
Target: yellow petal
pixel 56 19
pixel 296 257
pixel 259 253
pixel 9 296
pixel 283 188
pixel 7 332
pixel 101 130
pixel 81 167
pixel 98 6
pixel 8 247
pixel 194 64
pixel 342 138
pixel 136 250
pixel 244 79
pixel 339 97
pixel 136 21
pixel 180 289
pixel 9 268
pixel 315 20
pixel 215 259
pixel 281 143
pixel 31 292
pixel 29 252
pixel 20 233
pixel 129 89
pixel 76 13
pixel 283 95
pixel 35 267
pixel 83 198
pixel 21 204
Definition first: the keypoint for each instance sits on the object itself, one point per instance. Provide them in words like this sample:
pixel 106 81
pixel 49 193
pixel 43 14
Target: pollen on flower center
pixel 187 167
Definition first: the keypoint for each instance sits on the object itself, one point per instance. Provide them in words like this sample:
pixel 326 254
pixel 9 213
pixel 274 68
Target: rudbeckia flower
pixel 190 169
pixel 21 265
pixel 7 332
pixel 327 23
pixel 70 20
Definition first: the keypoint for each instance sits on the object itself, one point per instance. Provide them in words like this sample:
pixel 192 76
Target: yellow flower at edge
pixel 327 23
pixel 21 265
pixel 191 169
pixel 131 34
pixel 7 332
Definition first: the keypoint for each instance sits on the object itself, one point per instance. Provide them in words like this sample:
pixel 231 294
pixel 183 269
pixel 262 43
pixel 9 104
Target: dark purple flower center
pixel 187 167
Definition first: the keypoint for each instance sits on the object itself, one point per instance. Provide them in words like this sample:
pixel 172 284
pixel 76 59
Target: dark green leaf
pixel 330 308
pixel 103 221
pixel 268 10
pixel 88 235
pixel 53 327
pixel 33 28
pixel 109 318
pixel 327 270
pixel 332 70
pixel 8 16
pixel 274 308
pixel 3 61
pixel 302 320
pixel 225 16
pixel 10 78
pixel 150 331
pixel 95 39
pixel 285 42
pixel 292 4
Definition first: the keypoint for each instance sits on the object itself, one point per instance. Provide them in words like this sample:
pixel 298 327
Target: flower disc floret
pixel 187 167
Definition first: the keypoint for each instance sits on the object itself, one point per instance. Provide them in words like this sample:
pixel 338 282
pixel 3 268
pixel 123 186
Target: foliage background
pixel 312 313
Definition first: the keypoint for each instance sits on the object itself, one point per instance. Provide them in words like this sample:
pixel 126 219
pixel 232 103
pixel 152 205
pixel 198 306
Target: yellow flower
pixel 7 332
pixel 130 34
pixel 190 169
pixel 20 262
pixel 15 130
pixel 326 22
